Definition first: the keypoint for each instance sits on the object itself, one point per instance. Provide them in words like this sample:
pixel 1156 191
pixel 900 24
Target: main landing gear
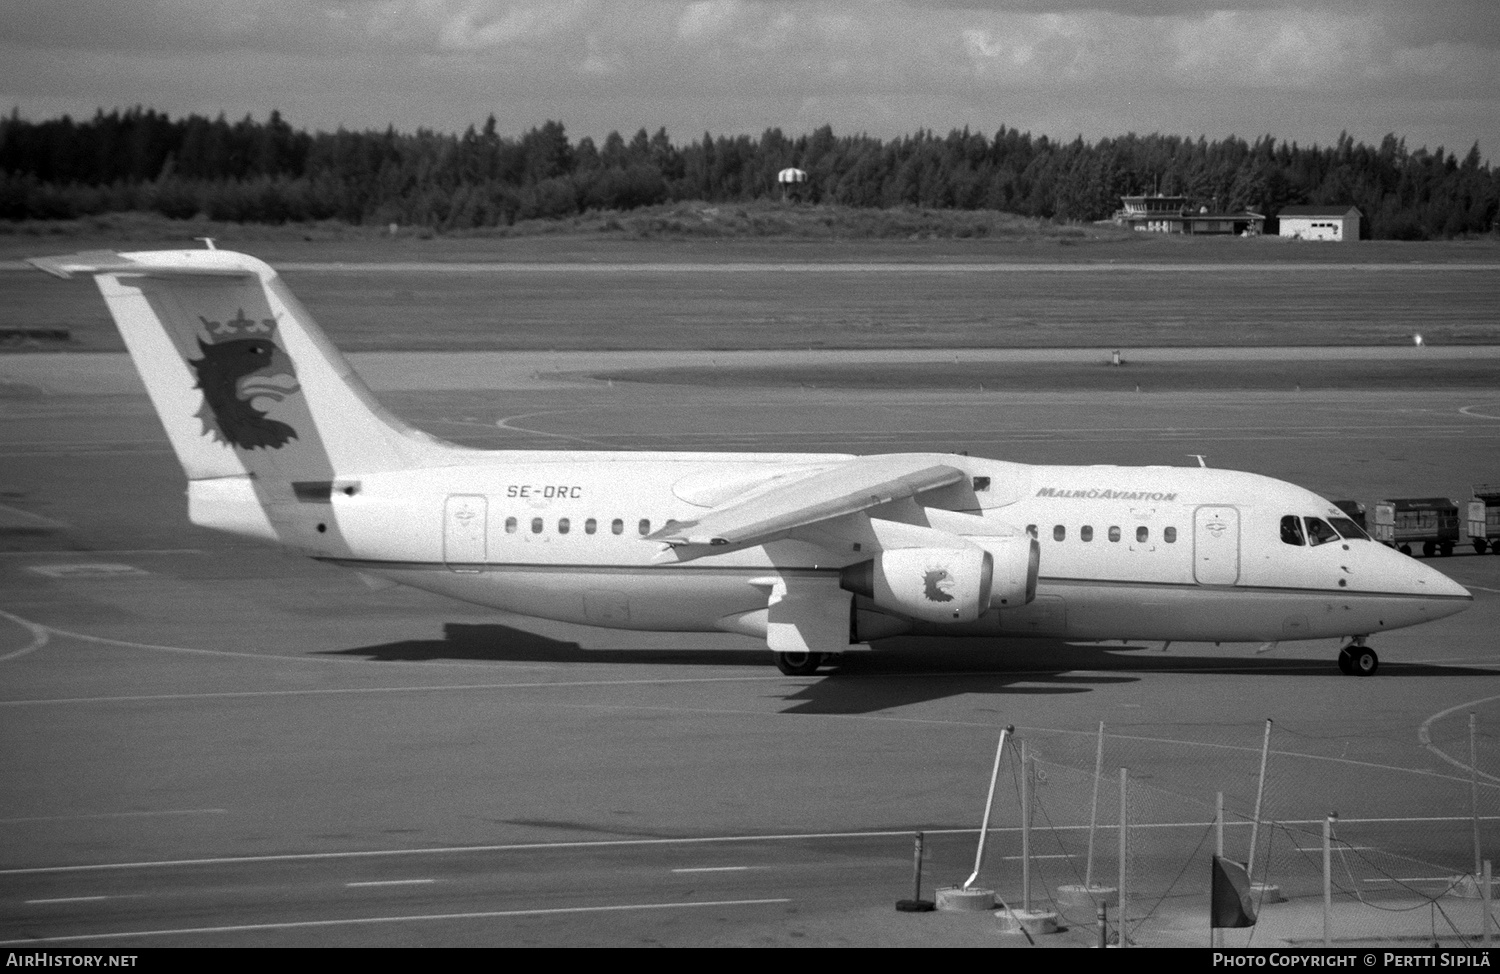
pixel 1357 659
pixel 799 664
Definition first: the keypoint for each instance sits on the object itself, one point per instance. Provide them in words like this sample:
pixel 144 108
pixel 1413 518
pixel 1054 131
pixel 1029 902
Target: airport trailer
pixel 1431 522
pixel 1356 512
pixel 1484 518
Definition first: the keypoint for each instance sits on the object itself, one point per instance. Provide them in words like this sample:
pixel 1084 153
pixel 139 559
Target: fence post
pixel 1088 869
pixel 1260 790
pixel 1120 922
pixel 1474 789
pixel 1027 763
pixel 989 801
pixel 1216 937
pixel 1328 875
pixel 1487 901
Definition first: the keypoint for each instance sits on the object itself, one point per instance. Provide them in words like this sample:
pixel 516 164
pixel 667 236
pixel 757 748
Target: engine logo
pixel 936 584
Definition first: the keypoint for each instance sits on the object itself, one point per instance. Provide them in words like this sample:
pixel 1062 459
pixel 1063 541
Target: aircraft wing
pixel 859 484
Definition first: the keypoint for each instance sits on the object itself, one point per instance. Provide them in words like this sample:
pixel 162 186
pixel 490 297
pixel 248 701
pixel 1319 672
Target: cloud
pixel 888 66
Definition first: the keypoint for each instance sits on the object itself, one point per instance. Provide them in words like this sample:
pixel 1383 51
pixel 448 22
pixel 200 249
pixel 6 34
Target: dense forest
pixel 250 171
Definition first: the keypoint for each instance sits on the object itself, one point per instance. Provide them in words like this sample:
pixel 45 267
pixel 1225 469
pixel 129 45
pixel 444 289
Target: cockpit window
pixel 1291 530
pixel 1318 531
pixel 1350 530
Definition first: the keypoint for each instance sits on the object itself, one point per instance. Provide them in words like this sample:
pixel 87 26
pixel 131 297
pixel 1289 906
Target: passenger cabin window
pixel 1114 534
pixel 981 484
pixel 564 525
pixel 536 525
pixel 644 527
pixel 1086 533
pixel 510 525
pixel 1318 531
pixel 1169 535
pixel 617 526
pixel 1291 530
pixel 1059 533
pixel 590 526
pixel 1142 534
pixel 1031 530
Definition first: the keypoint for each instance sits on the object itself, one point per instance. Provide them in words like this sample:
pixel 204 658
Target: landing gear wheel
pixel 799 664
pixel 1358 661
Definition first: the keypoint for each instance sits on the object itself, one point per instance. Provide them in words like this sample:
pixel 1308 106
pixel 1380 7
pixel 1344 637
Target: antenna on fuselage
pixel 1202 458
pixel 208 242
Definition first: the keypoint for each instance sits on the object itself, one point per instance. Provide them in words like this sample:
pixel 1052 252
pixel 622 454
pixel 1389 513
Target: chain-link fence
pixel 1389 879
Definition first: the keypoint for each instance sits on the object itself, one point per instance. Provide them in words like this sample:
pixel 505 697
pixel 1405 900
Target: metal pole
pixel 1474 785
pixel 1487 900
pixel 1120 921
pixel 1215 938
pixel 1102 915
pixel 984 827
pixel 916 882
pixel 1026 767
pixel 1260 791
pixel 1328 875
pixel 1088 869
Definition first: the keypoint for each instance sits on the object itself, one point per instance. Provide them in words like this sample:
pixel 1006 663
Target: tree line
pixel 253 171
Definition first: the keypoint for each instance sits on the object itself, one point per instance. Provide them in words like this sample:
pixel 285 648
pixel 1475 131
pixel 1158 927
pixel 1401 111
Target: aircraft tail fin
pixel 248 387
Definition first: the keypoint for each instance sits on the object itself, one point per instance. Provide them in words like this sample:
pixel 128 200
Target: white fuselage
pixel 1170 553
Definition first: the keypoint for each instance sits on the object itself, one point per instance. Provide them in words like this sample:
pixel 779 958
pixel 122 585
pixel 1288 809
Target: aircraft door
pixel 1216 545
pixel 464 528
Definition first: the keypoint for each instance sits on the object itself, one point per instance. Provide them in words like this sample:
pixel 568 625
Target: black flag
pixel 1231 894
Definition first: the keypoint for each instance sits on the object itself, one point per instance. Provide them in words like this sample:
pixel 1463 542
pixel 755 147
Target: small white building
pixel 1320 222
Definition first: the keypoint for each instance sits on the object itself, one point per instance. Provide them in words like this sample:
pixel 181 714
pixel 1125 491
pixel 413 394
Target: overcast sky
pixel 1428 70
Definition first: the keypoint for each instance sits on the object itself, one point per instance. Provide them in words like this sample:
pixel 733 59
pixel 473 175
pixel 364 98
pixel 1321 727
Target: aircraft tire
pixel 1363 661
pixel 799 664
pixel 1346 662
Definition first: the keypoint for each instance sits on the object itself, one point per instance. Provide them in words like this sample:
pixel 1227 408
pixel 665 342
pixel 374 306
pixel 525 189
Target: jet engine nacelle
pixel 931 584
pixel 949 584
pixel 1017 562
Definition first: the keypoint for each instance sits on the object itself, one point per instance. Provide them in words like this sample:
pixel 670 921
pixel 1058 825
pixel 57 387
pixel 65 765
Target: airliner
pixel 814 553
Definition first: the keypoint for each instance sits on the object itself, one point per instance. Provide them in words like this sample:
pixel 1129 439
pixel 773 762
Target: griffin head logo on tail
pixel 241 369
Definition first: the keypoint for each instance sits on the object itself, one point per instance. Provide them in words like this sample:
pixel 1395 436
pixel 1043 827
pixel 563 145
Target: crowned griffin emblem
pixel 936 583
pixel 241 367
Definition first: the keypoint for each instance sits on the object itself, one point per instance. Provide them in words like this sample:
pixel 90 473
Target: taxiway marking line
pixel 39 636
pixel 77 818
pixel 1424 736
pixel 102 551
pixel 357 921
pixel 391 882
pixel 714 869
pixel 67 899
pixel 628 843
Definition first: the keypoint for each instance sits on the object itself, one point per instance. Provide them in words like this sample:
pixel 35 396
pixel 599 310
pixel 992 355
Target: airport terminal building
pixel 1175 214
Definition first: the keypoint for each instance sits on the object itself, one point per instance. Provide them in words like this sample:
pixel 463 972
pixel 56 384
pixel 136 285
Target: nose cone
pixel 1410 577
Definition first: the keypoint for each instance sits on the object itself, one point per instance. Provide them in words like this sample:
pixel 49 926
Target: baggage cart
pixel 1406 522
pixel 1484 518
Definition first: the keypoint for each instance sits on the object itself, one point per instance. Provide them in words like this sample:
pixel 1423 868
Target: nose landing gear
pixel 1357 659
